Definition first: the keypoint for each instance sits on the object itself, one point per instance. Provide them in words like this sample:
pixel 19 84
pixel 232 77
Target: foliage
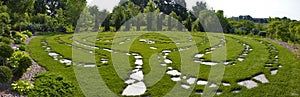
pixel 118 17
pixel 4 20
pixel 19 37
pixel 40 19
pixel 5 40
pixel 5 52
pixel 22 87
pixel 200 6
pixel 28 33
pixel 22 47
pixel 19 62
pixel 53 85
pixel 5 74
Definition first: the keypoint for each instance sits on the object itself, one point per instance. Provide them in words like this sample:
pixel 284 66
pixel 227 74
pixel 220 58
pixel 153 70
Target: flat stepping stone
pixel 176 79
pixel 137 76
pixel 138 67
pixel 185 86
pixel 168 61
pixel 226 84
pixel 135 89
pixel 274 72
pixel 191 80
pixel 202 82
pixel 166 51
pixel 173 72
pixel 153 48
pixel 138 62
pixel 138 57
pixel 248 84
pixel 53 54
pixel 199 55
pixel 241 59
pixel 65 61
pixel 129 81
pixel 89 65
pixel 209 63
pixel 262 78
pixel 213 85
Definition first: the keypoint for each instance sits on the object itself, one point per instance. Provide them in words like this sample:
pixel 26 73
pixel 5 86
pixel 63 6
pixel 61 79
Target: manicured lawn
pixel 284 83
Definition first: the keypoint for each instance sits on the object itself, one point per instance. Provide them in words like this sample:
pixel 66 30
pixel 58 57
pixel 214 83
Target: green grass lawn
pixel 284 83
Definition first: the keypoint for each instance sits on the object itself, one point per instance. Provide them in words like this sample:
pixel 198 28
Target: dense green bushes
pixel 5 40
pixel 51 85
pixel 5 74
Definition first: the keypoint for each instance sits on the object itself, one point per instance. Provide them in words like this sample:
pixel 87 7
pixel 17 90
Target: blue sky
pixel 255 8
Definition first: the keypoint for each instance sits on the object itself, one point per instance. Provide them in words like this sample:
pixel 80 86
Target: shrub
pixel 5 51
pixel 20 62
pixel 51 85
pixel 69 28
pixel 22 47
pixel 33 27
pixel 28 33
pixel 25 63
pixel 22 87
pixel 5 40
pixel 5 74
pixel 20 37
pixel 19 26
pixel 61 29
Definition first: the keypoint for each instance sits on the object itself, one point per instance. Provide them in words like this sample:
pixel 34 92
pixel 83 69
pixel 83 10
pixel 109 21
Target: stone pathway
pixel 295 50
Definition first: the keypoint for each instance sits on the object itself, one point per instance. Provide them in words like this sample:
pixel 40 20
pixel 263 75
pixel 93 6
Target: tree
pixel 40 19
pixel 297 32
pixel 141 3
pixel 293 29
pixel 181 2
pixel 94 11
pixel 40 7
pixel 149 9
pixel 160 18
pixel 139 20
pixel 73 9
pixel 20 7
pixel 278 29
pixel 171 21
pixel 224 22
pixel 209 21
pixel 188 22
pixel 131 10
pixel 4 20
pixel 200 6
pixel 247 25
pixel 118 17
pixel 85 21
pixel 260 27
